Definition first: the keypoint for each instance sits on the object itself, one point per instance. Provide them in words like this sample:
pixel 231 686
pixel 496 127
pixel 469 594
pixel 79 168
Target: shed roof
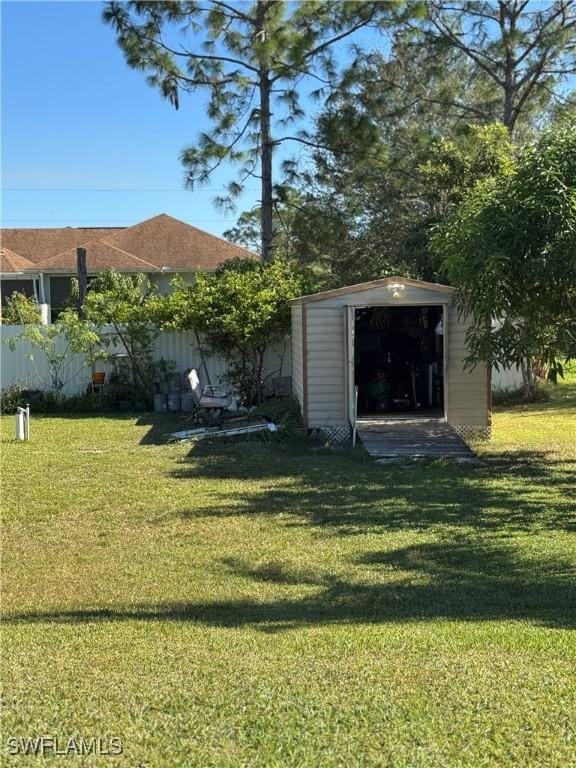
pixel 382 282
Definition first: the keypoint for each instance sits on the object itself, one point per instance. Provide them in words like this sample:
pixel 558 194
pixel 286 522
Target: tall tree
pixel 251 58
pixel 380 136
pixel 524 52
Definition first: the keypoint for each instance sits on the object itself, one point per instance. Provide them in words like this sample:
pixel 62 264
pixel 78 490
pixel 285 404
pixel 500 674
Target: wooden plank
pixel 412 438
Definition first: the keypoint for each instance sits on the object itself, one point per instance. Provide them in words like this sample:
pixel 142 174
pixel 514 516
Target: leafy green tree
pixel 241 309
pixel 374 216
pixel 251 58
pixel 510 248
pixel 58 342
pixel 20 309
pixel 125 303
pixel 450 69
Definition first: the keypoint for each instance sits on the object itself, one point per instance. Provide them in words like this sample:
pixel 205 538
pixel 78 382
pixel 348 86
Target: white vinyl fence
pixel 506 379
pixel 16 367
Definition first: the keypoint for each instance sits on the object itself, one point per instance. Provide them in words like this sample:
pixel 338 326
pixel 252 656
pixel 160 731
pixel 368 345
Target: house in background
pixel 42 262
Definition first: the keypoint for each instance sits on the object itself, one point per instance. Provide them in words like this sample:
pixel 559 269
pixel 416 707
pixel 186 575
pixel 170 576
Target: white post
pixel 23 423
pixel 20 424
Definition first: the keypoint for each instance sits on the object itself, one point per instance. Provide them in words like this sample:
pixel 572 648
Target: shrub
pixel 241 309
pixel 12 398
pixel 517 396
pixel 20 309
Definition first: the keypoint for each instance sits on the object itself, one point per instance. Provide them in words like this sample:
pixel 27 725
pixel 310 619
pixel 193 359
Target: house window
pixel 8 287
pixel 60 295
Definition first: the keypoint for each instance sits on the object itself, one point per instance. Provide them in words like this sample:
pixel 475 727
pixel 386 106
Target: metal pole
pixel 19 424
pixel 202 358
pixel 355 417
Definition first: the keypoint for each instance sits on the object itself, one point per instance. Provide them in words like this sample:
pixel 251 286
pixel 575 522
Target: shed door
pixel 350 321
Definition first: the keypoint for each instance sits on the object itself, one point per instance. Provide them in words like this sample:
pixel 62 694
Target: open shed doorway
pixel 399 361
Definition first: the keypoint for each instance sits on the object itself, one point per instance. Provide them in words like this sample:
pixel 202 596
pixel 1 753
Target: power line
pixel 94 221
pixel 114 189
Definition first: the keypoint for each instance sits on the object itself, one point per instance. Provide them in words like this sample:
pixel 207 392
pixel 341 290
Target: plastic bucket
pixel 175 383
pixel 187 401
pixel 160 403
pixel 174 402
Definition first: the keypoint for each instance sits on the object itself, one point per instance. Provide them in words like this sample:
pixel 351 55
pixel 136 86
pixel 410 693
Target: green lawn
pixel 278 605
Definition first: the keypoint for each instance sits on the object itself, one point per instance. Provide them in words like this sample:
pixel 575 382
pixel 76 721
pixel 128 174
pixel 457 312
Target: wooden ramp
pixel 387 439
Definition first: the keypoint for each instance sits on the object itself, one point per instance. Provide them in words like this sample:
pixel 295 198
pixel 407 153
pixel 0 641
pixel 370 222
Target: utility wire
pixel 115 189
pixel 124 221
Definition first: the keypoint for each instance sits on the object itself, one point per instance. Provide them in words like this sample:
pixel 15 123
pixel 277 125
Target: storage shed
pixel 386 349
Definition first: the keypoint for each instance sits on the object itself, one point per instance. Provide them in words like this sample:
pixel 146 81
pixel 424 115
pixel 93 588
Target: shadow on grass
pixel 474 573
pixel 458 580
pixel 348 493
pixel 161 425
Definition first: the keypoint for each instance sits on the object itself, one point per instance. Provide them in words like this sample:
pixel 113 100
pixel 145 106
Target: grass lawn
pixel 275 605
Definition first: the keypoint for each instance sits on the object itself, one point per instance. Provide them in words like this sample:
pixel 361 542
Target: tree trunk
pixel 259 365
pixel 266 212
pixel 509 83
pixel 527 380
pixel 267 144
pixel 508 118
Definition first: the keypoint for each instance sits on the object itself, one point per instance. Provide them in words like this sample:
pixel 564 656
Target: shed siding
pixel 297 363
pixel 320 381
pixel 326 372
pixel 466 390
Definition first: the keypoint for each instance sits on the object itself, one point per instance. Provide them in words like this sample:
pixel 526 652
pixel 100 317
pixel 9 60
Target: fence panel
pixel 17 367
pixel 506 378
pixel 29 367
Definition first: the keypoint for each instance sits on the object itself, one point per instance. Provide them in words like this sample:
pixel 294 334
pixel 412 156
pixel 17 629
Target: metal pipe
pixel 20 424
pixel 23 423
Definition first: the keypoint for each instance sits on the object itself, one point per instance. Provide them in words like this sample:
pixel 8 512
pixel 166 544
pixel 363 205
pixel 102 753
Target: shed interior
pixel 399 360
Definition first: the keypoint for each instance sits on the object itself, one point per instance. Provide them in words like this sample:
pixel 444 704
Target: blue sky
pixel 76 119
